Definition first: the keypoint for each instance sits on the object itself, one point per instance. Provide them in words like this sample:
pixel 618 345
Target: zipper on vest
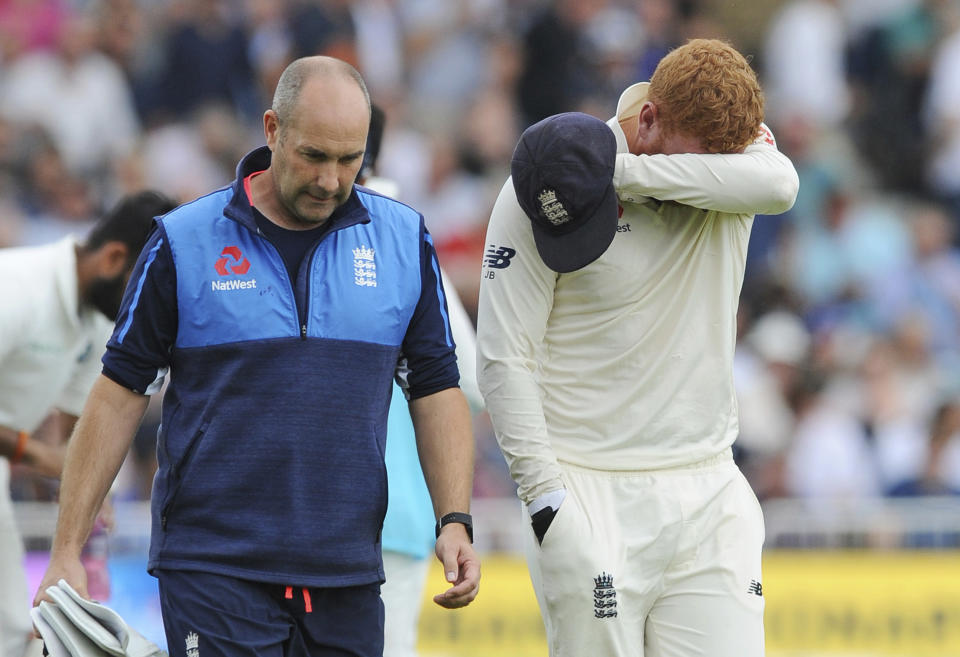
pixel 303 331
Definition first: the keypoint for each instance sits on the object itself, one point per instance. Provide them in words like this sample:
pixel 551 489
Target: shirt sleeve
pixel 74 394
pixel 138 352
pixel 761 180
pixel 516 298
pixel 428 351
pixel 465 337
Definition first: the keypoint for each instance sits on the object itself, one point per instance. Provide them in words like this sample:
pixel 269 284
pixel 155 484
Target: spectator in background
pixel 893 408
pixel 270 42
pixel 659 20
pixel 926 286
pixel 448 48
pixel 206 61
pixel 30 25
pixel 187 158
pixel 79 97
pixel 839 255
pixel 57 201
pixel 57 303
pixel 940 474
pixel 131 34
pixel 379 46
pixel 888 69
pixel 941 116
pixel 804 60
pixel 767 364
pixel 558 72
pixel 829 456
pixel 323 28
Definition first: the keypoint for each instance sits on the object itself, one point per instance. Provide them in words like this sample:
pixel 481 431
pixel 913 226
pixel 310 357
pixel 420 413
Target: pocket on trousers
pixel 541 521
pixel 557 526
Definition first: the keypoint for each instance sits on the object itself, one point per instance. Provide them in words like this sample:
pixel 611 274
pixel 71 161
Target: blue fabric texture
pixel 217 616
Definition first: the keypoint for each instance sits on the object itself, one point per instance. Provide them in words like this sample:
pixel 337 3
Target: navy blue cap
pixel 562 171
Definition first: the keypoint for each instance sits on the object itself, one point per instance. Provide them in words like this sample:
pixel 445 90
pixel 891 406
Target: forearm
pixel 100 442
pixel 446 448
pixel 513 400
pixel 761 180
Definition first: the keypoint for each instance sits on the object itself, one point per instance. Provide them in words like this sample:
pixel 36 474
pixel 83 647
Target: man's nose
pixel 326 177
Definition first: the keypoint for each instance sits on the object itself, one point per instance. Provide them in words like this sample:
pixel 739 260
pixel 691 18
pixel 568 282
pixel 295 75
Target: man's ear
pixel 647 118
pixel 111 259
pixel 271 128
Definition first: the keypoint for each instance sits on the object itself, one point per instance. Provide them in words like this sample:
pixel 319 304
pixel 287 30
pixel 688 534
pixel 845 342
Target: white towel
pixel 73 626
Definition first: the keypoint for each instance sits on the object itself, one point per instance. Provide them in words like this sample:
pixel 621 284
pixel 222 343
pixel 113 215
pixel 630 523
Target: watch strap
pixel 464 519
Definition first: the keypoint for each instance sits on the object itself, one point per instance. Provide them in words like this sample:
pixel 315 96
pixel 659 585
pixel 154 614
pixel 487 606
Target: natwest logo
pixel 242 266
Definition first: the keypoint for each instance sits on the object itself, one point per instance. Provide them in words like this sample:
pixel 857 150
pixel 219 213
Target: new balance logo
pixel 604 596
pixel 498 257
pixel 756 588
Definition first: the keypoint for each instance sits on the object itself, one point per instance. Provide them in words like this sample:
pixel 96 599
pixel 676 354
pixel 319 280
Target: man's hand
pixel 70 569
pixel 461 567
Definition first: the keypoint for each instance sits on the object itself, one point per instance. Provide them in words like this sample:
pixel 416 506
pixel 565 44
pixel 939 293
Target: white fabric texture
pixel 72 626
pixel 682 551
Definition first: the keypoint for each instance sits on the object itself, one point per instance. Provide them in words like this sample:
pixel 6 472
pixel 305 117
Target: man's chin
pixel 315 213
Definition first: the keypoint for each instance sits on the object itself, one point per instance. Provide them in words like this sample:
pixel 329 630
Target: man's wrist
pixel 464 519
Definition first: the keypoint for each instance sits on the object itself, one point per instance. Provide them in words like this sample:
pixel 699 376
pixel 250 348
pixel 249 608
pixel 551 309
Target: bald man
pixel 283 307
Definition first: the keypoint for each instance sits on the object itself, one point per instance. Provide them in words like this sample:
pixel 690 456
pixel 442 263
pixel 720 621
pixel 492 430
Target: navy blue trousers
pixel 206 615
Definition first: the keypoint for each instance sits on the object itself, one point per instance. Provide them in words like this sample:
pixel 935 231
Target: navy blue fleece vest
pixel 274 423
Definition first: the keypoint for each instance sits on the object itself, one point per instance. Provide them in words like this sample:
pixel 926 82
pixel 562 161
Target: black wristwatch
pixel 464 519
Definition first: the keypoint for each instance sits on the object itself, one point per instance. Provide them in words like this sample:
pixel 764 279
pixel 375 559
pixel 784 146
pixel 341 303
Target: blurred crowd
pixel 848 361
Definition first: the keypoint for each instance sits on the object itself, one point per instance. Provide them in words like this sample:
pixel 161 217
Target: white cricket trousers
pixel 15 623
pixel 402 596
pixel 660 563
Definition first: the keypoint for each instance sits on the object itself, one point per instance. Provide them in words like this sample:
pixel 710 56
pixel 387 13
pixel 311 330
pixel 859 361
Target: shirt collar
pixel 631 100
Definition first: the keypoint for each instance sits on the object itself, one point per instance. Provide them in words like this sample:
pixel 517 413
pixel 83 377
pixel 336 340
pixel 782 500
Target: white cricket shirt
pixel 625 364
pixel 50 348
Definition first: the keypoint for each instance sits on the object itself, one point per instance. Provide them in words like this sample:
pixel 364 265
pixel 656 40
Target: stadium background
pixel 848 360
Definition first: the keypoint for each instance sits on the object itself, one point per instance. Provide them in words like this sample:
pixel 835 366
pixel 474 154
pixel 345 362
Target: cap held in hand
pixel 562 171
